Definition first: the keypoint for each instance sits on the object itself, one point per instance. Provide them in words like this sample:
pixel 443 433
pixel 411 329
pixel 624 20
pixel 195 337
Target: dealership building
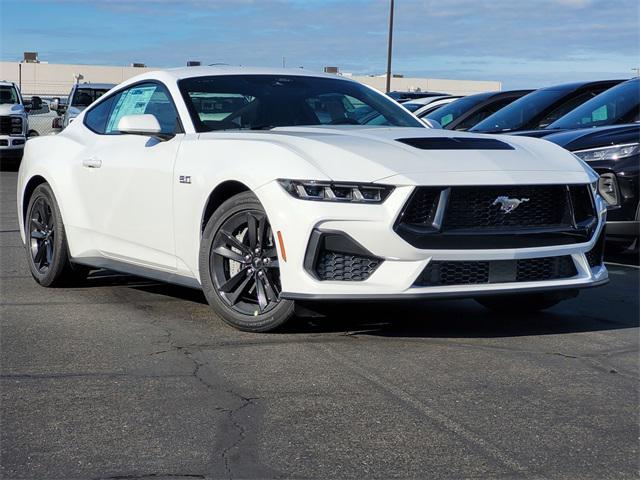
pixel 55 80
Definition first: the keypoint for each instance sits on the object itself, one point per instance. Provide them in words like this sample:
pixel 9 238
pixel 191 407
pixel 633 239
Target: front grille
pixel 422 206
pixel 479 208
pixel 443 273
pixel 520 216
pixel 341 266
pixel 10 125
pixel 595 256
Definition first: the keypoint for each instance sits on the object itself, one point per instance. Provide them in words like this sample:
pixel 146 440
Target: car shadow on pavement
pixel 428 319
pixel 453 319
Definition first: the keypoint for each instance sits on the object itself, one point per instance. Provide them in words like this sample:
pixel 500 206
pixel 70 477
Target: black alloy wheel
pixel 42 229
pixel 244 263
pixel 240 266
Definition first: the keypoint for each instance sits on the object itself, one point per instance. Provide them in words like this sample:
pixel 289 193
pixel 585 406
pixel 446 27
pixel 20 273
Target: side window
pixel 96 118
pixel 565 108
pixel 146 98
pixel 483 113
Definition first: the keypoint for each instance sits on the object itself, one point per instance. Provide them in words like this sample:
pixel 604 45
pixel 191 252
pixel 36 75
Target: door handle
pixel 92 163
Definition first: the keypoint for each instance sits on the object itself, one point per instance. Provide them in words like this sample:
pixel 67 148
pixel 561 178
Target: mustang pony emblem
pixel 508 205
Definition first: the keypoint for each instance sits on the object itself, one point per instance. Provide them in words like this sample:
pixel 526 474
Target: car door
pixel 128 179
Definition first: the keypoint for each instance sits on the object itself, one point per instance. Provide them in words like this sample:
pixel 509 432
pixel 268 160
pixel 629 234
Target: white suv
pixel 14 123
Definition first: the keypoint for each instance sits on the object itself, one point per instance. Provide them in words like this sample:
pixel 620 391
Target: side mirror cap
pixel 144 124
pixel 36 103
pixel 55 104
pixel 431 123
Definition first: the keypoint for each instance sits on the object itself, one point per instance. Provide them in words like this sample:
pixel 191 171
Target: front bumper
pixel 12 144
pixel 372 227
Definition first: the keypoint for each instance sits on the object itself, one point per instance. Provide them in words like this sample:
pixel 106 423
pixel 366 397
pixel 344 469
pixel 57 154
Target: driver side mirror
pixel 144 124
pixel 431 123
pixel 36 103
pixel 54 104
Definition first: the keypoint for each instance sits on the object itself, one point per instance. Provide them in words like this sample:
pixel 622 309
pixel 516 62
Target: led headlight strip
pixel 336 191
pixel 614 152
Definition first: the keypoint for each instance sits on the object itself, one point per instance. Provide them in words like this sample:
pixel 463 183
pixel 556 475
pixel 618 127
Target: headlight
pixel 336 191
pixel 608 188
pixel 608 153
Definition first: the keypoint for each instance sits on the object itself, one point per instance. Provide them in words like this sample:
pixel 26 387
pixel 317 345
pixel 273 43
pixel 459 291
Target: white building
pixel 50 79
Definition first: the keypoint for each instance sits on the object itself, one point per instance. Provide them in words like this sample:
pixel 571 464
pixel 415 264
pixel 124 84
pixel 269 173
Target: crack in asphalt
pixel 197 367
pixel 231 412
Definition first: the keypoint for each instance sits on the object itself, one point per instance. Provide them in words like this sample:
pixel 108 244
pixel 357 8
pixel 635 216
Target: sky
pixel 523 43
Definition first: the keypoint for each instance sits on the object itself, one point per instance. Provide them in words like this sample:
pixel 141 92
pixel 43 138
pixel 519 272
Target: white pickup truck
pixel 81 96
pixel 14 121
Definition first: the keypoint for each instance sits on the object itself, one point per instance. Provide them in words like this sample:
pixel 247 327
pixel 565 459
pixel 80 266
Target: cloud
pixel 479 39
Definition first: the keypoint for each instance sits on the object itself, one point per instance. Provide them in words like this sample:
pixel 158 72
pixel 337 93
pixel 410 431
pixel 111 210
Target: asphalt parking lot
pixel 129 379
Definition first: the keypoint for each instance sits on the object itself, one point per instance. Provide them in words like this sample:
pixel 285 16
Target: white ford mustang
pixel 267 187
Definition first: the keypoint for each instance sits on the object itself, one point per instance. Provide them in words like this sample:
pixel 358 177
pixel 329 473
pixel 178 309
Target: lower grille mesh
pixel 341 266
pixel 443 273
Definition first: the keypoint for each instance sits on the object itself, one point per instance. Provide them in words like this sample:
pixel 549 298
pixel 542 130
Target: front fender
pixel 209 163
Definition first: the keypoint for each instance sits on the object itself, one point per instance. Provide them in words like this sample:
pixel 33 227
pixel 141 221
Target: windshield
pixel 620 104
pixel 519 113
pixel 447 114
pixel 8 94
pixel 83 97
pixel 233 102
pixel 412 107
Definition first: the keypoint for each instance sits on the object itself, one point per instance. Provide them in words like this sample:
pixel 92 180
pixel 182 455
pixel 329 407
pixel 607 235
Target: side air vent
pixel 336 256
pixel 456 143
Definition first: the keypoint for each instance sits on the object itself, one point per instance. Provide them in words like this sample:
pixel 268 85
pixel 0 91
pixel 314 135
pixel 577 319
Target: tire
pixel 33 133
pixel 46 246
pixel 239 269
pixel 525 303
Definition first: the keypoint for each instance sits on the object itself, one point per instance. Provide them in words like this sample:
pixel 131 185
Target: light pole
pixel 390 46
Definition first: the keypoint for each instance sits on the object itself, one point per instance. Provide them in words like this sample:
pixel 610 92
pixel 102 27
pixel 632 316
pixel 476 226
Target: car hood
pixel 586 138
pixel 370 154
pixel 540 133
pixel 11 109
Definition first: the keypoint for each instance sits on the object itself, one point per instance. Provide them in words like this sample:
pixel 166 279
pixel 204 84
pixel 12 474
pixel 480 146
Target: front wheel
pixel 239 267
pixel 525 302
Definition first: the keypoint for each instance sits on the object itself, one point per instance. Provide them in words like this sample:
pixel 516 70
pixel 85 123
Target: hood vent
pixel 456 143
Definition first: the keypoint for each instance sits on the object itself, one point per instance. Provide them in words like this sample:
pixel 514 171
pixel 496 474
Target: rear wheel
pixel 525 303
pixel 239 267
pixel 46 245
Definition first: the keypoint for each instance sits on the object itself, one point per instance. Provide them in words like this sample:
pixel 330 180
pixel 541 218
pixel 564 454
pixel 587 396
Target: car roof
pixel 95 85
pixel 190 72
pixel 428 100
pixel 4 83
pixel 577 85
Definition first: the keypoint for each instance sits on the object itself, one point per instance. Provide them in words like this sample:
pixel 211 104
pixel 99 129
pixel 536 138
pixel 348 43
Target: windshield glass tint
pixel 521 112
pixel 8 94
pixel 620 104
pixel 447 114
pixel 83 97
pixel 412 107
pixel 233 102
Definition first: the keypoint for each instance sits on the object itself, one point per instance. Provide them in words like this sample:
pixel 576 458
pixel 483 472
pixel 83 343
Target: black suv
pixel 614 153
